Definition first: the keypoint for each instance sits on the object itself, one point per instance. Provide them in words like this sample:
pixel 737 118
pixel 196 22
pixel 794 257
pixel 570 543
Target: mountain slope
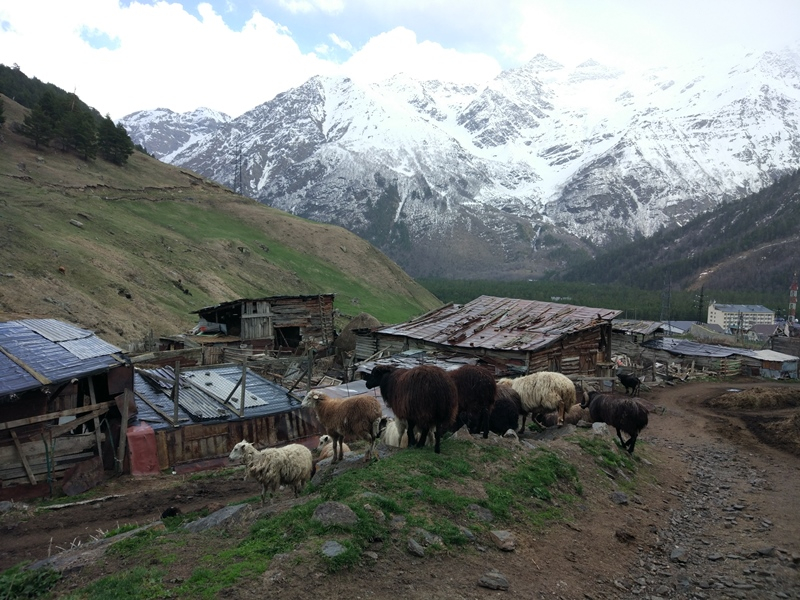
pixel 129 250
pixel 746 244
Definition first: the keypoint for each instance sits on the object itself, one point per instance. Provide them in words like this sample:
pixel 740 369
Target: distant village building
pixel 515 336
pixel 727 315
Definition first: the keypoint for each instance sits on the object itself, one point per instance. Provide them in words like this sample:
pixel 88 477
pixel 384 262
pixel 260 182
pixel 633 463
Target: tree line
pixel 62 118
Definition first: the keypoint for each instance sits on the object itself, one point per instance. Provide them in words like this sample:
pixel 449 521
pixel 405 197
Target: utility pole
pixel 666 315
pixel 700 303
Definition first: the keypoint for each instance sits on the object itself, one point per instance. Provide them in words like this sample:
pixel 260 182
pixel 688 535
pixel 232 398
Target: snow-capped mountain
pixel 514 176
pixel 162 131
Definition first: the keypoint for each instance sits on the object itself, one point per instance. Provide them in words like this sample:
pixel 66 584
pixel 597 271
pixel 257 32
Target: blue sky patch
pixel 99 39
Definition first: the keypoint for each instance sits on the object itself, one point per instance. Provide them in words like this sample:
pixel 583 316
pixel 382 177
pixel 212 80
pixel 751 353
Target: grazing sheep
pixel 325 447
pixel 423 397
pixel 391 435
pixel 342 417
pixel 505 411
pixel 621 412
pixel 575 414
pixel 290 465
pixel 631 382
pixel 476 393
pixel 542 393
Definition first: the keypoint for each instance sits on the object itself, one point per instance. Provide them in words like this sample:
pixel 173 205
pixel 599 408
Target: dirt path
pixel 714 515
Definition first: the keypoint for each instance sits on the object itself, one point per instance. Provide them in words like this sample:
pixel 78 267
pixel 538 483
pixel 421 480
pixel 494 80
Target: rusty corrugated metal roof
pixel 230 303
pixel 501 323
pixel 636 326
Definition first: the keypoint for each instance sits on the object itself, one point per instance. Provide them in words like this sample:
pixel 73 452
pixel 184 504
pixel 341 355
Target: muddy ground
pixel 714 515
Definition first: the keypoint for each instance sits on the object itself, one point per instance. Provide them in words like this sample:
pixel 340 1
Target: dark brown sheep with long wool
pixel 476 388
pixel 422 397
pixel 621 412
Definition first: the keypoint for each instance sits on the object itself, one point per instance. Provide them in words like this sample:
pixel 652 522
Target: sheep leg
pixel 437 434
pixel 524 416
pixel 561 411
pixel 337 456
pixel 412 438
pixel 621 441
pixel 423 435
pixel 485 421
pixel 631 443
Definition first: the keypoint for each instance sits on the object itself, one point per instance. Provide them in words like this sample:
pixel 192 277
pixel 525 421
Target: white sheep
pixel 273 467
pixel 325 447
pixel 391 435
pixel 353 417
pixel 542 393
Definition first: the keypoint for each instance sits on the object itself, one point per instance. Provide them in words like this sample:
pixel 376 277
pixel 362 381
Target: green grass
pixel 138 583
pixel 17 583
pixel 609 455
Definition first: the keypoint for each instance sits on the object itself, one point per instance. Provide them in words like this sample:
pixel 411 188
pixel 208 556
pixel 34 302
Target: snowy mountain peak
pixel 509 178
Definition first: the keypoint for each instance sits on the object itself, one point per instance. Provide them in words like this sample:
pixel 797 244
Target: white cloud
pixel 398 51
pixel 343 44
pixel 329 7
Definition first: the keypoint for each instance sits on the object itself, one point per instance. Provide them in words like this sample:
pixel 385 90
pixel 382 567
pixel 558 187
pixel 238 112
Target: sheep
pixel 543 392
pixel 621 412
pixel 355 417
pixel 573 416
pixel 476 391
pixel 423 396
pixel 290 465
pixel 505 411
pixel 391 435
pixel 631 382
pixel 325 447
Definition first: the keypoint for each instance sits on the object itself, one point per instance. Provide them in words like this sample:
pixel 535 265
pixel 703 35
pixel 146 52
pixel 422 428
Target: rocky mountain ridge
pixel 528 172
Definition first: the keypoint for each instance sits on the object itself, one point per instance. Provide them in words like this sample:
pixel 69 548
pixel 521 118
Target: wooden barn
pixel 285 323
pixel 516 336
pixel 63 395
pixel 191 418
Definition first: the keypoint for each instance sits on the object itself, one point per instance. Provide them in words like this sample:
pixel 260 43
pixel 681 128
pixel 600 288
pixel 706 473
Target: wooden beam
pixel 50 416
pixel 161 413
pixel 93 401
pixel 33 373
pixel 59 430
pixel 22 458
pixel 123 430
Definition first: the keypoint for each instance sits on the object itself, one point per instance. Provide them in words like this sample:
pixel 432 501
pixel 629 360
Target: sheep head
pixel 239 450
pixel 324 439
pixel 311 399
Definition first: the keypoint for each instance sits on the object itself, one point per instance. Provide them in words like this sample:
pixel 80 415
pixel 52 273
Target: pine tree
pixel 37 126
pixel 114 143
pixel 2 112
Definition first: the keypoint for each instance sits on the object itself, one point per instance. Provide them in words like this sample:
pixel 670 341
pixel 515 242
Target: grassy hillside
pixel 126 250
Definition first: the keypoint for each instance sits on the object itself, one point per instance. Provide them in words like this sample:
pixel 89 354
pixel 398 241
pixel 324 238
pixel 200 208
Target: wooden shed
pixel 516 336
pixel 196 415
pixel 275 322
pixel 63 395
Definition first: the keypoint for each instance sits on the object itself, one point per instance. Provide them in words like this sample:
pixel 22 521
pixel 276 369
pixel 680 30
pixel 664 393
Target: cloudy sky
pixel 121 56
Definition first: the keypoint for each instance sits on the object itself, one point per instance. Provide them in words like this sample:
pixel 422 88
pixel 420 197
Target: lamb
pixel 290 465
pixel 325 447
pixel 574 415
pixel 423 396
pixel 621 412
pixel 631 382
pixel 476 392
pixel 391 435
pixel 543 392
pixel 505 411
pixel 355 417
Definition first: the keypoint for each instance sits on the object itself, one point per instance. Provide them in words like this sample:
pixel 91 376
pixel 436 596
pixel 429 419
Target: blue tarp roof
pixel 687 348
pixel 37 352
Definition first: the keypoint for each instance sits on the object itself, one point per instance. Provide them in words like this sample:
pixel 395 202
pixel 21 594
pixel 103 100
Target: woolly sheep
pixel 423 396
pixel 325 447
pixel 575 414
pixel 353 417
pixel 391 435
pixel 621 412
pixel 476 395
pixel 290 465
pixel 543 392
pixel 505 411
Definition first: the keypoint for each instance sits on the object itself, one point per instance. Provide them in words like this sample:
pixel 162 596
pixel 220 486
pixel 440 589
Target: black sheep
pixel 631 382
pixel 476 388
pixel 621 412
pixel 424 397
pixel 506 410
